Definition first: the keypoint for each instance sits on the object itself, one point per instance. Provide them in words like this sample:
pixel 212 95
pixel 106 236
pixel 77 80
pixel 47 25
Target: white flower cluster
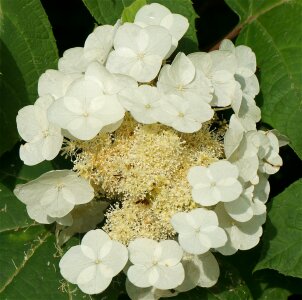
pixel 123 68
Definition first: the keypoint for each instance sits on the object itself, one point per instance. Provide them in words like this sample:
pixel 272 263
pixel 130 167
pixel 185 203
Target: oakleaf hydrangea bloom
pixel 161 179
pixel 183 79
pixel 198 230
pixel 182 114
pixel 155 264
pixel 217 183
pixel 218 66
pixel 85 110
pixel 156 14
pixel 57 192
pixel 43 138
pixel 142 102
pixel 94 263
pixel 139 52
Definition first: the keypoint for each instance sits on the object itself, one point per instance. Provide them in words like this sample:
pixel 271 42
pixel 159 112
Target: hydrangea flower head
pixel 160 179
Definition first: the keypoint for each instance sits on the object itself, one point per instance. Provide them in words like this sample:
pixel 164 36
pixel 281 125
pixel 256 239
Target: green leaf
pixel 27 48
pixel 273 30
pixel 282 238
pixel 13 214
pixel 129 12
pixel 264 284
pixel 109 11
pixel 105 11
pixel 274 285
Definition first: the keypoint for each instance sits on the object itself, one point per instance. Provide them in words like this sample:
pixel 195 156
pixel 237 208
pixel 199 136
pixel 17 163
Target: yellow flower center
pixel 142 170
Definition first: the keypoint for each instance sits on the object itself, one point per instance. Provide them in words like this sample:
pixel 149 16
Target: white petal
pixel 170 254
pixel 136 293
pixel 55 203
pixel 28 125
pixel 73 263
pixel 97 284
pixel 203 62
pixel 52 144
pixel 208 268
pixel 227 45
pixel 117 258
pixel 240 209
pixel 206 196
pixel 223 169
pixel 176 24
pixel 121 61
pixel 82 191
pixel 201 217
pixel 128 36
pixel 225 88
pixel 246 60
pixel 230 189
pixel 170 277
pixel 31 153
pixel 99 43
pixel 233 136
pixel 216 235
pixel 139 51
pixel 146 69
pixel 159 41
pixel 250 233
pixel 192 244
pixel 95 240
pixel 192 273
pixel 197 174
pixel 180 223
pixel 110 84
pixel 73 61
pixel 182 70
pixel 139 275
pixel 37 213
pixel 141 250
pixel 30 193
pixel 262 189
pixel 151 14
pixel 55 83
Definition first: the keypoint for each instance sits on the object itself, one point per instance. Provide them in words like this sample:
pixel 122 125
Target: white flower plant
pixel 121 78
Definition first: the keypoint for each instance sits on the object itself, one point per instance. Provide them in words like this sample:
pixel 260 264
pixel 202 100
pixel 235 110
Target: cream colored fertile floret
pixel 144 167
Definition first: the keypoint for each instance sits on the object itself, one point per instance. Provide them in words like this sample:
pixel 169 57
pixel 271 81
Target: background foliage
pixel 33 32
